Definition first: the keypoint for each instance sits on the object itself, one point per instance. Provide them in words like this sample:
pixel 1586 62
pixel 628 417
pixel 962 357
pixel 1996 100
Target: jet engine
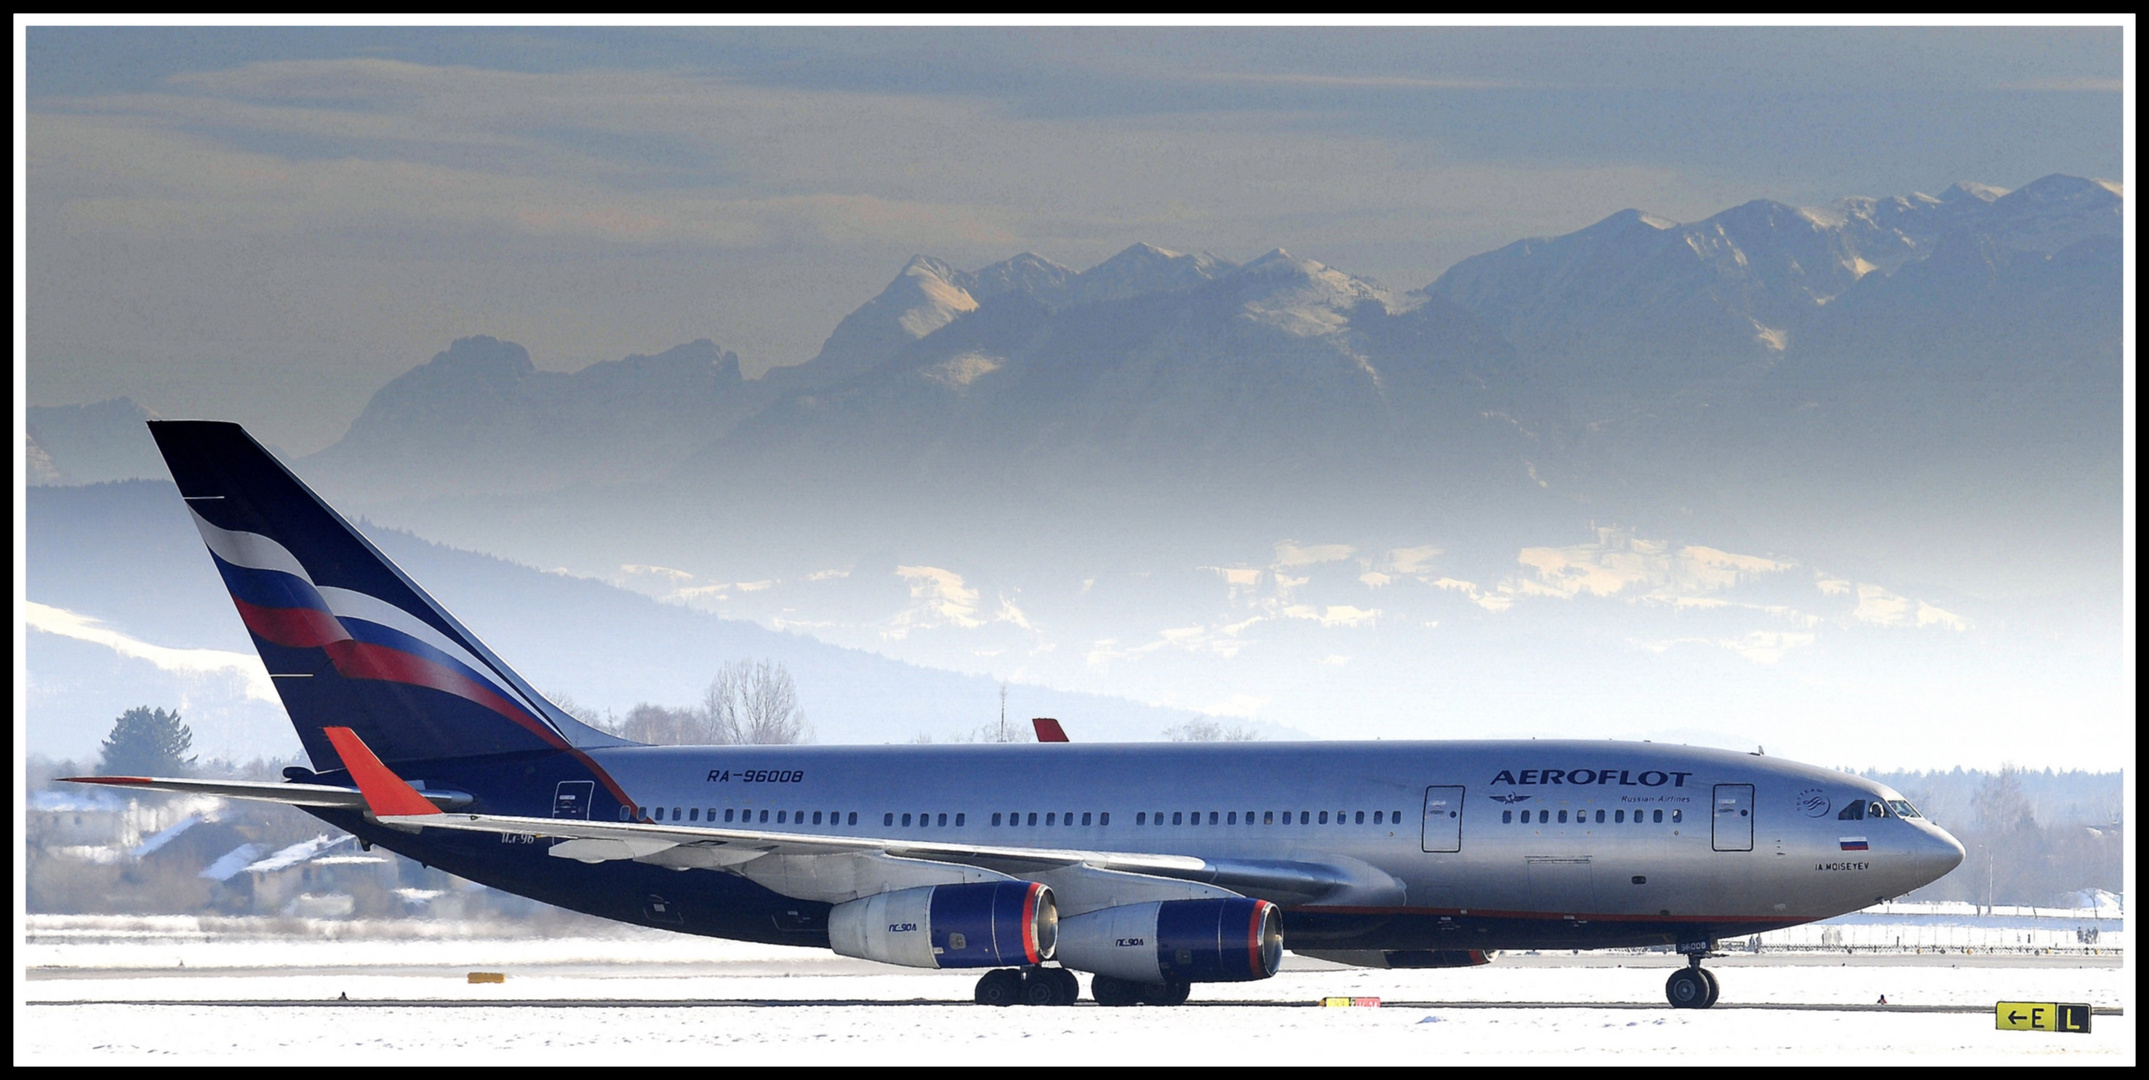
pixel 949 926
pixel 1176 941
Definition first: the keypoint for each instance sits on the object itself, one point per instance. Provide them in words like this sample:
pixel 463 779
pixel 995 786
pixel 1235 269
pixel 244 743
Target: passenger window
pixel 1067 820
pixel 1175 819
pixel 764 817
pixel 1104 818
pixel 1324 817
pixel 1212 817
pixel 1677 815
pixel 854 817
pixel 1542 816
pixel 1658 816
pixel 943 822
pixel 1619 817
pixel 1085 820
pixel 1052 819
pixel 1376 817
pixel 1600 817
pixel 996 819
pixel 1268 817
pixel 1563 817
pixel 1507 817
pixel 1395 817
pixel 727 814
pixel 1361 817
pixel 906 821
pixel 1142 818
pixel 779 817
pixel 958 821
pixel 1033 819
pixel 1156 817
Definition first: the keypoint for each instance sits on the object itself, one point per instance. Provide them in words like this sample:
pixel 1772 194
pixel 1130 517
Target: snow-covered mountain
pixel 1639 295
pixel 1152 366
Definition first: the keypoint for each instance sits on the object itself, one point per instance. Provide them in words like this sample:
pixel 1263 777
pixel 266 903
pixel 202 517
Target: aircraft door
pixel 1732 825
pixel 572 798
pixel 1443 819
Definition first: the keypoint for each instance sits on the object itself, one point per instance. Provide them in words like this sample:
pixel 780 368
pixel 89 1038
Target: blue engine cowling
pixel 1187 941
pixel 989 924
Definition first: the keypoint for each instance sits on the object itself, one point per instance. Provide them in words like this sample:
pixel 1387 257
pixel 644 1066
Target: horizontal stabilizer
pixel 289 794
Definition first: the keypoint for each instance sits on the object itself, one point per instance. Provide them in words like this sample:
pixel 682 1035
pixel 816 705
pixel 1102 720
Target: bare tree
pixel 1210 731
pixel 754 703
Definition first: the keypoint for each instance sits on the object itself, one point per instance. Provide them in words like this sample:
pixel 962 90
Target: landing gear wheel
pixel 1173 993
pixel 1714 988
pixel 1070 985
pixel 1002 987
pixel 1044 987
pixel 1688 988
pixel 1110 991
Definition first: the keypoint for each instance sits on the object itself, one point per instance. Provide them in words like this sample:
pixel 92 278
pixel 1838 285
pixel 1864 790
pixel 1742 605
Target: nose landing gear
pixel 1693 986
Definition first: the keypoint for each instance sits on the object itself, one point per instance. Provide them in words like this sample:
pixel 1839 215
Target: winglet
pixel 1048 729
pixel 386 794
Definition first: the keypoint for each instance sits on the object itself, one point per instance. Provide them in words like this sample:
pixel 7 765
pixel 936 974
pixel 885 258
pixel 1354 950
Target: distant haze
pixel 1414 384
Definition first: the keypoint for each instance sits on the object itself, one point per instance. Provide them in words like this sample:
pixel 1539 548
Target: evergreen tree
pixel 147 742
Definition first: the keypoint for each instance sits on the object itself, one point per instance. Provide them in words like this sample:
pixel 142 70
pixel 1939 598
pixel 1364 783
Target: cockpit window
pixel 1903 808
pixel 1854 812
pixel 1876 809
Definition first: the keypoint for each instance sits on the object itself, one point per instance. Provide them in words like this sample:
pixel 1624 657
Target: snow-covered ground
pixel 102 989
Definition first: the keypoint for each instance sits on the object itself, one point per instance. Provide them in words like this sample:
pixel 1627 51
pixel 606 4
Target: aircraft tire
pixel 1042 987
pixel 1070 985
pixel 1002 987
pixel 1714 987
pixel 1115 992
pixel 1688 988
pixel 1172 993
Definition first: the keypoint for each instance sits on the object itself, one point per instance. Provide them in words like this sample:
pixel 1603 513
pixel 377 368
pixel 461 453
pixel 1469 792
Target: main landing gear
pixel 1693 986
pixel 1110 991
pixel 1029 986
pixel 1058 986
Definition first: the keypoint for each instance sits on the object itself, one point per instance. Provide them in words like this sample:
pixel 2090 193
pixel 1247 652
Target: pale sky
pixel 266 225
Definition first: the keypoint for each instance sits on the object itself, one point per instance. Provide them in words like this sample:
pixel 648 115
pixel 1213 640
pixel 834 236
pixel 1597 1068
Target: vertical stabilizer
pixel 350 640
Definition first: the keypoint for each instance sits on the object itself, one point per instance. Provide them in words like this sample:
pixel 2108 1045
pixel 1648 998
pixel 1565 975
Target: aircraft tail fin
pixel 350 640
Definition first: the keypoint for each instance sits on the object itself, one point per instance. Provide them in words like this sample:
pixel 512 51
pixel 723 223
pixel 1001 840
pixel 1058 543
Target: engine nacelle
pixel 1185 941
pixel 989 924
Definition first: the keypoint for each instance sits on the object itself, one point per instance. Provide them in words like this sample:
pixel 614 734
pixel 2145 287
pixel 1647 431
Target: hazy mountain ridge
pixel 481 417
pixel 127 555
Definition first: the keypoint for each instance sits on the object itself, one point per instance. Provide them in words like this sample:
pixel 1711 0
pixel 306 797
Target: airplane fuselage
pixel 1445 845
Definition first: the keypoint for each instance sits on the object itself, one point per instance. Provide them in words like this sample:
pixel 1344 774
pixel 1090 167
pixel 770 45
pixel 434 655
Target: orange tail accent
pixel 386 794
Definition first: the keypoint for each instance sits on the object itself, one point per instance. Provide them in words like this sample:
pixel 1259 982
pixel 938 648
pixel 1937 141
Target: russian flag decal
pixel 1852 843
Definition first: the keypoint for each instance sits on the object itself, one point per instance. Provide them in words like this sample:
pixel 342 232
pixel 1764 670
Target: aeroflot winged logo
pixel 1592 777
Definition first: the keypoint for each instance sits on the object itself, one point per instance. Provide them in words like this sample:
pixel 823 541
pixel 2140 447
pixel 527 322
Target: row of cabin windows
pixel 1268 817
pixel 1178 817
pixel 1619 817
pixel 1054 818
pixel 783 817
pixel 924 820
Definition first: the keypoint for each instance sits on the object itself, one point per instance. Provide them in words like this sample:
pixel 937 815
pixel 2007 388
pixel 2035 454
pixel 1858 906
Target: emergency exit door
pixel 1732 825
pixel 1443 819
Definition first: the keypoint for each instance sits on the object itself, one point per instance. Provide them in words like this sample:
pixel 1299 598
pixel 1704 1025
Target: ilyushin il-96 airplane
pixel 1150 866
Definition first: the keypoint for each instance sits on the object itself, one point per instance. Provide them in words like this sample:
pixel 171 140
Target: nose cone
pixel 1937 853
